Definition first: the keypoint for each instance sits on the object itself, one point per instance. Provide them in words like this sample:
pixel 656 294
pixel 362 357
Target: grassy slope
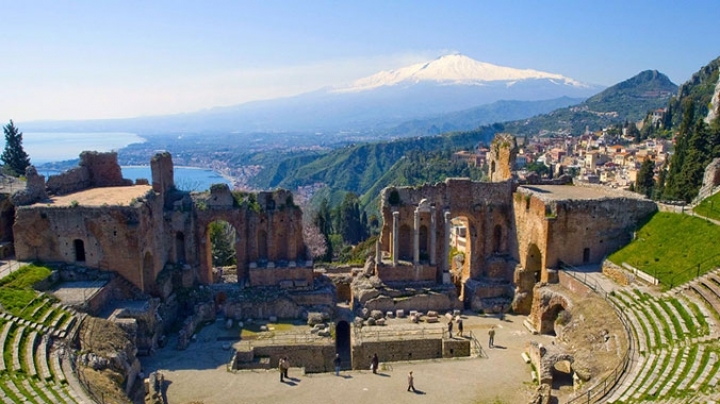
pixel 710 207
pixel 16 290
pixel 670 246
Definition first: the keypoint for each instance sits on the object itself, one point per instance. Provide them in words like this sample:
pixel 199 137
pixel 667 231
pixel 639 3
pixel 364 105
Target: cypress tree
pixel 14 156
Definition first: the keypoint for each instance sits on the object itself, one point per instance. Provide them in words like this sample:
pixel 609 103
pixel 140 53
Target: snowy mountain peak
pixel 454 69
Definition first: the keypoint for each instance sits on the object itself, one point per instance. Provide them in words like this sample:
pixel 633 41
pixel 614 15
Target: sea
pixel 43 147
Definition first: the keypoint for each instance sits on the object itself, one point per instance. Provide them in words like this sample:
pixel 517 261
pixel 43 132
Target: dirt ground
pixel 102 196
pixel 199 374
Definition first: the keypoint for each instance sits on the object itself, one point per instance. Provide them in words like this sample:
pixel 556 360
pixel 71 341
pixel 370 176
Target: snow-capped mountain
pixel 448 84
pixel 455 69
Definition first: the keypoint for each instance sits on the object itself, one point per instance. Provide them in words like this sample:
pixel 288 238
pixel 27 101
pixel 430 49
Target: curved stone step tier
pixel 41 358
pixel 658 373
pixel 7 327
pixel 16 362
pixel 56 368
pixel 29 359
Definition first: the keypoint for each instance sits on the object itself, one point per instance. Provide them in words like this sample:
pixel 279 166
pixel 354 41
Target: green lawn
pixel 671 246
pixel 709 207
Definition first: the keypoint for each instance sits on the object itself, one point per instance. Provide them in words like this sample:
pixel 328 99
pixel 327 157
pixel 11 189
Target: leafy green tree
pixel 222 239
pixel 645 183
pixel 540 168
pixel 323 221
pixel 14 156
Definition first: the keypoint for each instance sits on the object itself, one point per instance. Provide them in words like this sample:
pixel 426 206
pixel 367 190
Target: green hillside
pixel 672 247
pixel 499 111
pixel 357 168
pixel 629 100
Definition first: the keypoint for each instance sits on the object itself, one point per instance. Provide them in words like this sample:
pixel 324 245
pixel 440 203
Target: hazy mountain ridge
pixel 378 106
pixel 629 100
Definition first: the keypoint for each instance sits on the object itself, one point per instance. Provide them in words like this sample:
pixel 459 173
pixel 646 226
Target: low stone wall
pixel 453 348
pixel 285 277
pixel 314 358
pixel 407 273
pixel 573 284
pixel 397 350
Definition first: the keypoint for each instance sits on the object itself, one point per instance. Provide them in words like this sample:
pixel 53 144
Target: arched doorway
pixel 342 343
pixel 550 317
pixel 460 251
pixel 533 261
pixel 79 247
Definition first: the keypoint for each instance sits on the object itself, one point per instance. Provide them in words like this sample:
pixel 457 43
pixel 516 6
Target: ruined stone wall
pixel 405 273
pixel 547 303
pixel 573 285
pixel 297 277
pixel 395 350
pixel 163 176
pixel 269 231
pixel 532 230
pixel 485 205
pixel 114 238
pixel 94 170
pixel 501 157
pixel 315 358
pixel 711 178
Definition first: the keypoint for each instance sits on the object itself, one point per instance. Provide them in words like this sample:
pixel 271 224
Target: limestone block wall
pixel 407 273
pixel 315 358
pixel 395 350
pixel 298 277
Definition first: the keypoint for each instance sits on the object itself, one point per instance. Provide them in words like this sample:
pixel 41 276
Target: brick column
pixel 433 236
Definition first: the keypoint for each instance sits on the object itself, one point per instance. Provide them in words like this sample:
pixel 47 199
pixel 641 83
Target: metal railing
pixel 476 346
pixel 711 263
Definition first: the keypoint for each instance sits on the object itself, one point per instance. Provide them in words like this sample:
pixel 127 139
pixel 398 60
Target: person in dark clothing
pixel 375 363
pixel 450 325
pixel 460 326
pixel 337 361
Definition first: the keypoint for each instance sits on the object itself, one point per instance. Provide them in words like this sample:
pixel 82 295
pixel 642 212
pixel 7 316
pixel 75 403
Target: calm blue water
pixel 186 178
pixel 48 147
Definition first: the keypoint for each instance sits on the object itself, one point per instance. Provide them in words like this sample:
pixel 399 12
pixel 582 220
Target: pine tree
pixel 14 156
pixel 645 180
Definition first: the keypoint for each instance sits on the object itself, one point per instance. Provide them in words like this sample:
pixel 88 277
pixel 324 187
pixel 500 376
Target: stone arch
pixel 148 270
pixel 549 317
pixel 79 248
pixel 405 243
pixel 533 261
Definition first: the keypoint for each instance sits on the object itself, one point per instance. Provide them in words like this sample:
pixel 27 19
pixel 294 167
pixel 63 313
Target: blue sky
pixel 107 59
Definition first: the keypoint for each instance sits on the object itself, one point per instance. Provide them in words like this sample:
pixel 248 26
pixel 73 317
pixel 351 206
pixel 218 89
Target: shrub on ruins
pixel 14 158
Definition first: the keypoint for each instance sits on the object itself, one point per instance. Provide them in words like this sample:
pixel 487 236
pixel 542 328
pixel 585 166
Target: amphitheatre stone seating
pixel 16 355
pixel 677 360
pixel 57 368
pixel 41 356
pixel 30 352
pixel 7 326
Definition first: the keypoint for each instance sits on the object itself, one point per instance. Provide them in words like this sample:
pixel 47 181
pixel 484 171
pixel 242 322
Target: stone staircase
pixel 678 357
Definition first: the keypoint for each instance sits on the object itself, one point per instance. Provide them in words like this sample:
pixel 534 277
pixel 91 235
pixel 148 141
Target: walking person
pixel 281 368
pixel 337 361
pixel 285 367
pixel 411 382
pixel 450 325
pixel 375 363
pixel 491 335
pixel 460 326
